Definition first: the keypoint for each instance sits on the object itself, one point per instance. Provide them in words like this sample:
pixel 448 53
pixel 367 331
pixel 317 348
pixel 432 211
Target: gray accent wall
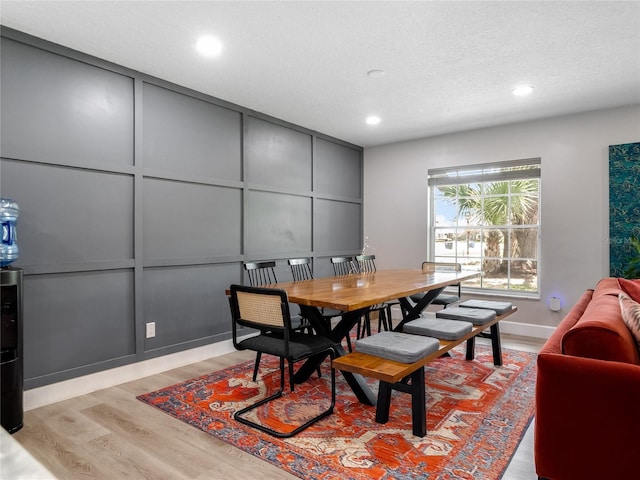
pixel 140 200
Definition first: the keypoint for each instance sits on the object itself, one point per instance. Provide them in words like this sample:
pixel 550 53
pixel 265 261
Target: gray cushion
pixel 498 307
pixel 477 316
pixel 445 299
pixel 442 299
pixel 397 346
pixel 438 328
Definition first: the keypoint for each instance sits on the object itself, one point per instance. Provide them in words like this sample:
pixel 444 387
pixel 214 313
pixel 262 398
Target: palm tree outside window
pixel 487 218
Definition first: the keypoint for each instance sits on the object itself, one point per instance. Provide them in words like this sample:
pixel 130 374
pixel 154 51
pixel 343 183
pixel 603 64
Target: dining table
pixel 353 295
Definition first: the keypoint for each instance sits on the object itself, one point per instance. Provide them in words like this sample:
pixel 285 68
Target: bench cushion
pixel 442 299
pixel 442 328
pixel 401 347
pixel 445 299
pixel 499 307
pixel 477 316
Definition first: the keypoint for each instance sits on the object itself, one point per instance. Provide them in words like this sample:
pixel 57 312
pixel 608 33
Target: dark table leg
pixel 411 312
pixel 495 345
pixel 357 382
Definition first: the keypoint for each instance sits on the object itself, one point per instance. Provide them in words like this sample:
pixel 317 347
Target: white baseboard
pixel 526 329
pixel 56 392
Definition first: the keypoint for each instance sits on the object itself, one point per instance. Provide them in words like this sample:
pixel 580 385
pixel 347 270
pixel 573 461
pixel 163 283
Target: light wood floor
pixel 109 434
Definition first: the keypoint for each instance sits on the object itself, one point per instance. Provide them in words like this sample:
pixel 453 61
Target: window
pixel 487 217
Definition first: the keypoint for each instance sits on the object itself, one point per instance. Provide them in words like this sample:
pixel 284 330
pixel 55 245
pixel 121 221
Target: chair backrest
pixel 261 308
pixel 366 263
pixel 428 267
pixel 300 269
pixel 261 273
pixel 343 266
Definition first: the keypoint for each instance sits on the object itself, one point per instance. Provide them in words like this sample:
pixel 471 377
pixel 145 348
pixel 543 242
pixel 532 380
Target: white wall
pixel 574 216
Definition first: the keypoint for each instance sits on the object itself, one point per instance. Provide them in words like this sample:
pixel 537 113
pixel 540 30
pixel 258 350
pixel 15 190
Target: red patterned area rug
pixel 476 416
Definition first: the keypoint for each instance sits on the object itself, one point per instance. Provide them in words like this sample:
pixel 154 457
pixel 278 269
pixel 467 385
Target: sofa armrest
pixel 587 418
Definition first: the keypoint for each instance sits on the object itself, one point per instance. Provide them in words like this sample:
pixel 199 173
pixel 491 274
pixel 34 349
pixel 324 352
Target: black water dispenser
pixel 11 368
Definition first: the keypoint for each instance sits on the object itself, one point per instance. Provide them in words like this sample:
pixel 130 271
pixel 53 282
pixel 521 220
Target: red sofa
pixel 587 423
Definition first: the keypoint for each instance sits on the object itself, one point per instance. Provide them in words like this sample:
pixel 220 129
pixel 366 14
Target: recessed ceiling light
pixel 373 120
pixel 522 90
pixel 209 46
pixel 376 73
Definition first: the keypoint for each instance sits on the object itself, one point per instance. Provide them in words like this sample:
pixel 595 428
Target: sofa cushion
pixel 607 286
pixel 401 347
pixel 631 288
pixel 601 333
pixel 631 315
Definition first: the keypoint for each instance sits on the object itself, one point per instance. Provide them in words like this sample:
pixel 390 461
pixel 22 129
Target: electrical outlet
pixel 151 329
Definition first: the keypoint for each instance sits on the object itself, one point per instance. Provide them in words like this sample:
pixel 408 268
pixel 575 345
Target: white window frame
pixel 523 169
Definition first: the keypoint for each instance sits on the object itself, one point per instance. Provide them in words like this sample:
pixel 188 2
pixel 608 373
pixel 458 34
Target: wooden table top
pixel 352 292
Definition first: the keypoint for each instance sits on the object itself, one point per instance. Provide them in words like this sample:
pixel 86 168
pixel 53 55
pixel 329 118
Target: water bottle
pixel 9 219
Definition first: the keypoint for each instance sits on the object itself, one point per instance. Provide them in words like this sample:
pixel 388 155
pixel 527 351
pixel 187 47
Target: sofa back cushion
pixel 607 286
pixel 601 333
pixel 631 288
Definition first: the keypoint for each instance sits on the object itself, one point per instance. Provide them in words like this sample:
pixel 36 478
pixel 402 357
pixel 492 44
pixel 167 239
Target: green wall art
pixel 624 210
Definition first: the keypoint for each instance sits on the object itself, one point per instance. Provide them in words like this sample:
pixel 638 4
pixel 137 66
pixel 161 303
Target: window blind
pixel 486 172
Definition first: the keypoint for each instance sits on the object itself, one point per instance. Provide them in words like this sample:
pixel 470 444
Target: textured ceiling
pixel 449 66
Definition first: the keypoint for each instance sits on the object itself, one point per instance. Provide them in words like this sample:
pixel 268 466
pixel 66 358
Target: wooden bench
pixel 395 375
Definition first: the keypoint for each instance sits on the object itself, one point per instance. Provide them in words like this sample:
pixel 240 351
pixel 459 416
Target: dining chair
pixel 346 266
pixel 444 299
pixel 367 264
pixel 343 266
pixel 261 273
pixel 301 270
pixel 267 310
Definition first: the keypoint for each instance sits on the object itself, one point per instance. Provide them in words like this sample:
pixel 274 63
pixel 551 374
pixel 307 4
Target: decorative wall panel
pixel 188 136
pixel 338 170
pixel 70 215
pixel 277 156
pixel 181 302
pixel 277 224
pixel 337 227
pixel 76 319
pixel 56 109
pixel 190 221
